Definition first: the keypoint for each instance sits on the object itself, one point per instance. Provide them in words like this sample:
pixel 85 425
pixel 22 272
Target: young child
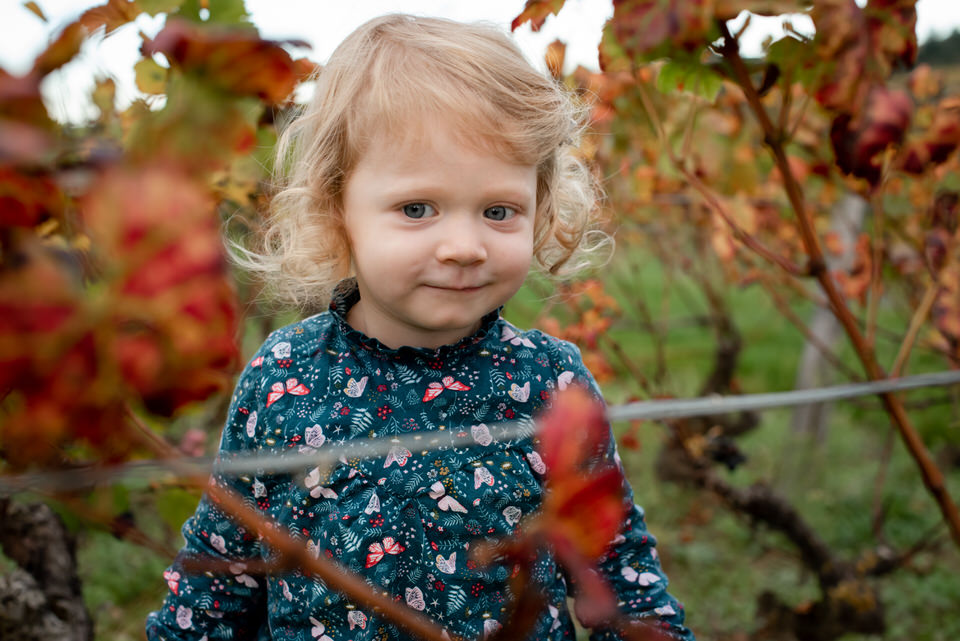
pixel 433 166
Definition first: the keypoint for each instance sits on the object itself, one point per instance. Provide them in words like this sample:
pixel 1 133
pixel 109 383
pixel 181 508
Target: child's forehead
pixel 424 130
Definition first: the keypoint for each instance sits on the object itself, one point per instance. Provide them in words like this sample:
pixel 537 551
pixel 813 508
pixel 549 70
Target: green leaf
pixel 233 12
pixel 175 505
pixel 689 77
pixel 153 7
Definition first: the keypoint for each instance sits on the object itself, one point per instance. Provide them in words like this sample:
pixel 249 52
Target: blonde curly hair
pixel 398 70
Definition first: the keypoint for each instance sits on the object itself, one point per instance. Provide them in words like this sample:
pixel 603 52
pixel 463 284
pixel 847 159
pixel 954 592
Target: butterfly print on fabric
pixel 508 334
pixel 397 454
pixel 376 551
pixel 448 565
pixel 317 631
pixel 481 434
pixel 518 393
pixel 354 388
pixel 482 476
pixel 357 618
pixel 640 578
pixel 415 598
pixel 373 505
pixel 312 481
pixel 444 502
pixel 434 389
pixel 292 386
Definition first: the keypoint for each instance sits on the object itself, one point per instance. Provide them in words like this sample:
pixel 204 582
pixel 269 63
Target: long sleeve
pixel 631 566
pixel 226 604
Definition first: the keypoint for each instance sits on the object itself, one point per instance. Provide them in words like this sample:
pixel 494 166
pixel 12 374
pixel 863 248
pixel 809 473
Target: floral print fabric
pixel 404 521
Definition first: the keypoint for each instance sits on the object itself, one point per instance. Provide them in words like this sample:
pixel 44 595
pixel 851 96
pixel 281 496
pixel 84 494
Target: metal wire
pixel 178 470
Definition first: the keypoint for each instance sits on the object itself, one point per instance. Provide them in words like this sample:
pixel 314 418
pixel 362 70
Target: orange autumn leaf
pixel 111 16
pixel 536 13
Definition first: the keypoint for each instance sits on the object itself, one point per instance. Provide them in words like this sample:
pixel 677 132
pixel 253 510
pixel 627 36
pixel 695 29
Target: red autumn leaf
pixel 936 144
pixel 860 47
pixel 536 13
pixel 859 140
pixel 26 199
pixel 174 307
pixel 584 504
pixel 40 310
pixel 156 225
pixel 25 127
pixel 643 27
pixel 235 60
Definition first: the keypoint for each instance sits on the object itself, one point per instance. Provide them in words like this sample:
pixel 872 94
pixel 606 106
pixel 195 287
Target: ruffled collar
pixel 346 294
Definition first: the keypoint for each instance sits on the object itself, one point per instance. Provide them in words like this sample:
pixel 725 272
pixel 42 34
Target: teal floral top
pixel 404 521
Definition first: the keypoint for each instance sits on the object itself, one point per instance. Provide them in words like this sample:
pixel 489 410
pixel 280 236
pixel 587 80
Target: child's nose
pixel 461 243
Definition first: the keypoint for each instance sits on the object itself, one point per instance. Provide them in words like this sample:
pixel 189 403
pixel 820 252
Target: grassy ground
pixel 717 563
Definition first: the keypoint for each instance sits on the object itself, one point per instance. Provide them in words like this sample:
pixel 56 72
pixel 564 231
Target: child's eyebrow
pixel 414 189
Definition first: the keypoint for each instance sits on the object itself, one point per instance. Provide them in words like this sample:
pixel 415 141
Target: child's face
pixel 441 234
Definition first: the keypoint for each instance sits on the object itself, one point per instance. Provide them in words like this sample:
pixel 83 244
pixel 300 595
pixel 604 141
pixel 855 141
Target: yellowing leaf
pixel 151 78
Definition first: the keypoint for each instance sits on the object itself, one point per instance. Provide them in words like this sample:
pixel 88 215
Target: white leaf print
pixel 456 598
pixel 564 379
pixel 259 489
pixel 252 424
pixel 351 541
pixel 665 610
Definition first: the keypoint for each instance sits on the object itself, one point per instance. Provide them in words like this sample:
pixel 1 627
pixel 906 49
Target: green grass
pixel 718 562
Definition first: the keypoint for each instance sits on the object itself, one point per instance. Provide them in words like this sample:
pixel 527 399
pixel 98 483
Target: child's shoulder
pixel 562 352
pixel 297 337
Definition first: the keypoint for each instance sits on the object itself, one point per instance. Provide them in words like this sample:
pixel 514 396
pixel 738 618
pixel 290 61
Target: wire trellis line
pixel 330 453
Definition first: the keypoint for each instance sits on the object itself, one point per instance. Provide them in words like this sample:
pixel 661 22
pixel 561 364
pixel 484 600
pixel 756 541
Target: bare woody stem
pixel 711 199
pixel 295 553
pixel 932 476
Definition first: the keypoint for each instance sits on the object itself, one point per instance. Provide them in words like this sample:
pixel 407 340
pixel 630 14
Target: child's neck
pixel 381 325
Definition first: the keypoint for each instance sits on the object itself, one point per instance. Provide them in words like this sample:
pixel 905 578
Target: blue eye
pixel 500 212
pixel 418 210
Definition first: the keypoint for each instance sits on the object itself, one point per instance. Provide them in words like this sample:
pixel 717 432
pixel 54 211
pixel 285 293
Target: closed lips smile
pixel 456 288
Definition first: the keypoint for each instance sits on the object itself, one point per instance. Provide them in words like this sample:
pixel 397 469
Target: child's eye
pixel 418 210
pixel 500 212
